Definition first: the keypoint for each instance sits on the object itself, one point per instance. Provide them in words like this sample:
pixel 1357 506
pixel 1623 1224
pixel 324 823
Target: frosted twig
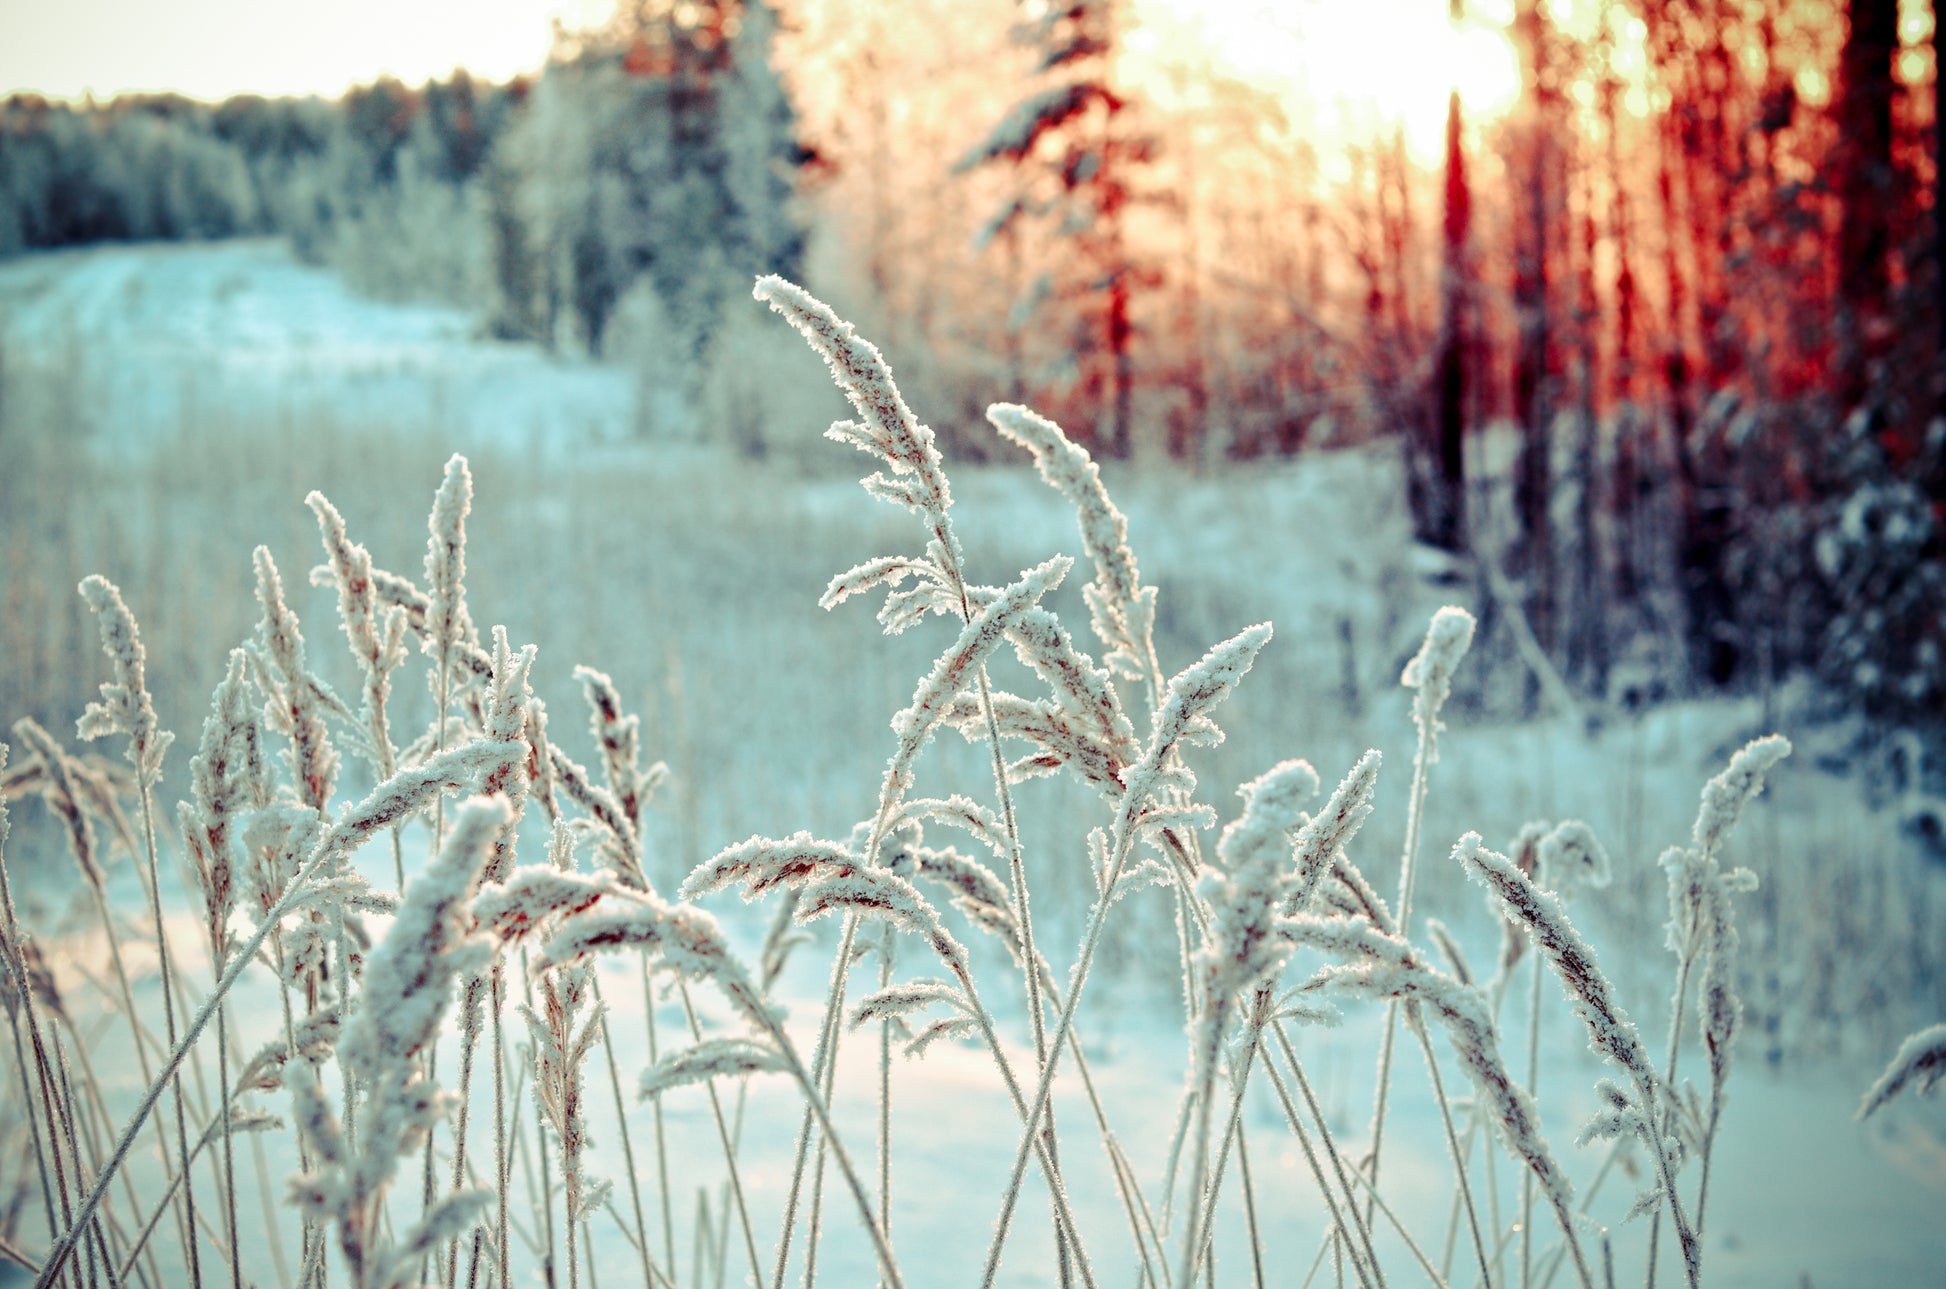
pixel 1920 1063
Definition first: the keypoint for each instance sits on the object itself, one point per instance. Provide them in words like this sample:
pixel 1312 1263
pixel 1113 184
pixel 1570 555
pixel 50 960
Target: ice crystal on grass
pixel 1121 609
pixel 1920 1062
pixel 125 706
pixel 63 797
pixel 1324 836
pixel 408 988
pixel 295 701
pixel 1610 1030
pixel 1725 795
pixel 448 627
pixel 957 667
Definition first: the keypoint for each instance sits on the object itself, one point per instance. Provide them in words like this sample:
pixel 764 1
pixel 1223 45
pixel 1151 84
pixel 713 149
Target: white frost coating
pixel 515 909
pixel 1082 689
pixel 1241 950
pixel 227 777
pixel 125 706
pixel 377 641
pixel 294 702
pixel 712 1058
pixel 1571 858
pixel 1120 607
pixel 1382 966
pixel 1448 636
pixel 1325 834
pixel 888 426
pixel 764 863
pixel 896 1002
pixel 620 738
pixel 407 979
pixel 1182 717
pixel 680 938
pixel 510 701
pixel 955 669
pixel 447 625
pixel 1920 1059
pixel 1725 795
pixel 409 791
pixel 1589 993
pixel 408 986
pixel 63 797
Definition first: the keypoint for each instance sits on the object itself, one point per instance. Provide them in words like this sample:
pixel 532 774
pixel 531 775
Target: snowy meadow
pixel 556 878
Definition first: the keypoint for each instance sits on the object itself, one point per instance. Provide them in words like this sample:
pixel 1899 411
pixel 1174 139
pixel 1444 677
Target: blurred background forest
pixel 1654 320
pixel 1618 321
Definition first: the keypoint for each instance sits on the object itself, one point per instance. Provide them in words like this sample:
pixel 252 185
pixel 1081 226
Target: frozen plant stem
pixel 1430 673
pixel 729 1147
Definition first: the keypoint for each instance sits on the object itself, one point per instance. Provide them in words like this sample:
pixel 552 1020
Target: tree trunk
pixel 1865 182
pixel 1441 519
pixel 1532 398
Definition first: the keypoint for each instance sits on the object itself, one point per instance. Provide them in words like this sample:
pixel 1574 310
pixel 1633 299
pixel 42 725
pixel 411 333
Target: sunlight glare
pixel 1352 70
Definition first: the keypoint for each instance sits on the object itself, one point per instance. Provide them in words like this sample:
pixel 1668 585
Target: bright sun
pixel 1350 68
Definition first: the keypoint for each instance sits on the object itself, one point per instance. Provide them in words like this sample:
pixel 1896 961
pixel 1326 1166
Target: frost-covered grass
pixel 690 578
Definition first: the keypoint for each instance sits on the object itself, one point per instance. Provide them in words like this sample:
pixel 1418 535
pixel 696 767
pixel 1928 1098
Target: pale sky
pixel 215 48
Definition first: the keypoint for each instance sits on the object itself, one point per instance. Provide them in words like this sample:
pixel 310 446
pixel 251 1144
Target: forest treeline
pixel 1661 345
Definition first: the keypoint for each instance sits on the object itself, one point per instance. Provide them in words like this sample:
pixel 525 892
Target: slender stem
pixel 469 1039
pixel 1338 1221
pixel 272 1236
pixel 1068 1235
pixel 1098 917
pixel 885 1091
pixel 229 1154
pixel 889 1265
pixel 729 1148
pixel 1533 1089
pixel 1421 764
pixel 661 1143
pixel 1024 918
pixel 1250 1212
pixel 1665 1118
pixel 33 1123
pixel 1417 1026
pixel 823 1056
pixel 1316 1112
pixel 628 1148
pixel 169 1024
pixel 1412 1245
pixel 501 1164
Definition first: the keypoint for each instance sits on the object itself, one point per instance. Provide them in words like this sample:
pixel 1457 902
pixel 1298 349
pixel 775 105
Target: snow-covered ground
pixel 212 385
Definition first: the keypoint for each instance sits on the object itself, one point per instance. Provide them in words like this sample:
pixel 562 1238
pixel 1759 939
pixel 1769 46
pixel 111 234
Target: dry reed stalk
pixel 985 901
pixel 686 941
pixel 59 782
pixel 1182 718
pixel 1241 951
pixel 19 995
pixel 1121 610
pixel 510 706
pixel 1920 1063
pixel 408 988
pixel 228 777
pixel 1701 928
pixel 1379 965
pixel 828 878
pixel 889 430
pixel 401 797
pixel 1430 676
pixel 126 708
pixel 375 635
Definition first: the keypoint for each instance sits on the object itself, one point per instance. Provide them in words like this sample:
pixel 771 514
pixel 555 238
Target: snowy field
pixel 165 409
